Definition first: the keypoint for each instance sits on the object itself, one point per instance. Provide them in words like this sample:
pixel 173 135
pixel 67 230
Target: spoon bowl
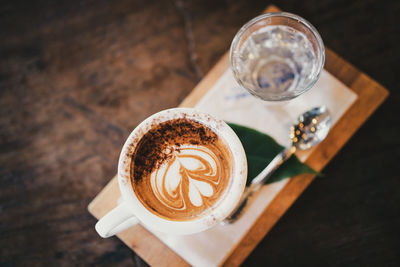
pixel 312 127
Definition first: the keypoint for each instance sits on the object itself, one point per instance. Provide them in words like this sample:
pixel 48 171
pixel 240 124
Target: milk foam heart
pixel 192 174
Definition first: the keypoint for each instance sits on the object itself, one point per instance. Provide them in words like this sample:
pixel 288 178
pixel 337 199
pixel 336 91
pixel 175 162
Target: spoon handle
pixel 265 174
pixel 257 182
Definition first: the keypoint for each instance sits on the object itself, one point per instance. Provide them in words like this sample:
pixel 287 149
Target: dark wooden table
pixel 77 76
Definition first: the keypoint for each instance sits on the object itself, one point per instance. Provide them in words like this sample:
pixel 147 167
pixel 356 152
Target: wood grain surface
pixel 77 76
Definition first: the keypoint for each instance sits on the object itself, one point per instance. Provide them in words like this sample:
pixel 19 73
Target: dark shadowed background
pixel 77 76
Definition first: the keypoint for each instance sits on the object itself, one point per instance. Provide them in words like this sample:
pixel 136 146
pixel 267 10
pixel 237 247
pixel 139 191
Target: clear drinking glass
pixel 277 56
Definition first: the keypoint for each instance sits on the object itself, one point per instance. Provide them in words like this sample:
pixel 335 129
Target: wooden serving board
pixel 370 96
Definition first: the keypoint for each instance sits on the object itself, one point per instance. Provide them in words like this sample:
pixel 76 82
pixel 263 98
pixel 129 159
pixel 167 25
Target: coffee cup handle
pixel 117 220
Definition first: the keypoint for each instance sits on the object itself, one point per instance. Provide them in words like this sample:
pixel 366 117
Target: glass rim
pixel 238 37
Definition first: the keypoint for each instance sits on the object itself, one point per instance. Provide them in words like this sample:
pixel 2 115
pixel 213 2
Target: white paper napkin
pixel 228 101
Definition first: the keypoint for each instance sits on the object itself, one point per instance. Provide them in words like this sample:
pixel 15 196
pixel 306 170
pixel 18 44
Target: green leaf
pixel 261 149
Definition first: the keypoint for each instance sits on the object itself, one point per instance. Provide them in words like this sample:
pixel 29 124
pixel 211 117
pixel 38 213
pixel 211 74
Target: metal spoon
pixel 312 127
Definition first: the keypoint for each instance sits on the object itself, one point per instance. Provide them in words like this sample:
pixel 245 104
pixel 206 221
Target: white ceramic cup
pixel 130 211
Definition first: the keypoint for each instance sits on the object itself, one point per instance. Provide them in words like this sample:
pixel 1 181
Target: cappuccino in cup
pixel 181 171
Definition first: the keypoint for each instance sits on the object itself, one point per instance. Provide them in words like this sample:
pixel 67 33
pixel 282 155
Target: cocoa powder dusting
pixel 158 144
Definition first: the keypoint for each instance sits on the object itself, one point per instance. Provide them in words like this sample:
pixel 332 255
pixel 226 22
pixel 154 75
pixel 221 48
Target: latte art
pixel 181 169
pixel 188 179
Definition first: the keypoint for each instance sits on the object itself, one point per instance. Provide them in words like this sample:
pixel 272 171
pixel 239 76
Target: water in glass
pixel 276 60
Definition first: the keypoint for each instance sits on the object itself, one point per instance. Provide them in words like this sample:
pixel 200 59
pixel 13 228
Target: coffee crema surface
pixel 180 169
